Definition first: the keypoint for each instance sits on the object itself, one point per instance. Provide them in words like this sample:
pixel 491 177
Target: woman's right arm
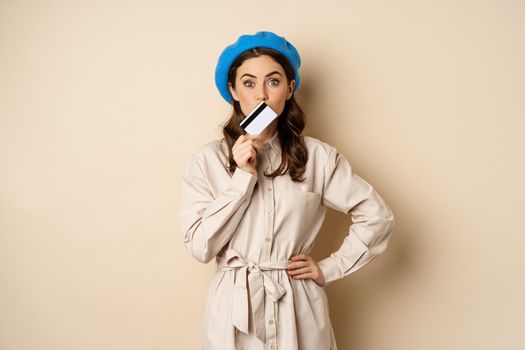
pixel 209 222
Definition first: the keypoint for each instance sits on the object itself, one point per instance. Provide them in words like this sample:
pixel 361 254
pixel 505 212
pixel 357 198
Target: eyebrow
pixel 267 75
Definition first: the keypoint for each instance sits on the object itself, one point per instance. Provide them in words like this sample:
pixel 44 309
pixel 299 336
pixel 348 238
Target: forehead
pixel 259 66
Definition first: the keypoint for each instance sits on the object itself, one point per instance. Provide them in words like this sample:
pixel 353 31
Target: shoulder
pixel 321 152
pixel 210 153
pixel 317 147
pixel 210 148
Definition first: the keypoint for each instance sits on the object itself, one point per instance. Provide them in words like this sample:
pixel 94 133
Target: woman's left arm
pixel 372 219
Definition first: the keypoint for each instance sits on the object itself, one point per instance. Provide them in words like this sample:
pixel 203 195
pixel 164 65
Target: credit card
pixel 258 119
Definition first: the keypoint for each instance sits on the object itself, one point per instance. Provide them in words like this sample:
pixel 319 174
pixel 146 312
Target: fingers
pixel 303 266
pixel 298 264
pixel 244 144
pixel 245 138
pixel 300 267
pixel 298 272
pixel 300 257
pixel 245 151
pixel 248 154
pixel 304 275
pixel 249 136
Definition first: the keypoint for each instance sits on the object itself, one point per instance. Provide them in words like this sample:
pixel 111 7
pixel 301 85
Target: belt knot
pixel 258 284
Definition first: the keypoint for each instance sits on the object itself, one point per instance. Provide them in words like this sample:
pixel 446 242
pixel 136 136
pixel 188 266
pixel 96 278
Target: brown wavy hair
pixel 290 124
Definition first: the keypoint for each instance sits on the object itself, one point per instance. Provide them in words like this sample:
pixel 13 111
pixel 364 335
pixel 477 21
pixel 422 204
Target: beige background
pixel 101 102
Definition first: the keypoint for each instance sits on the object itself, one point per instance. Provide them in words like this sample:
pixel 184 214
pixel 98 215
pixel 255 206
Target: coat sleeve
pixel 209 222
pixel 372 219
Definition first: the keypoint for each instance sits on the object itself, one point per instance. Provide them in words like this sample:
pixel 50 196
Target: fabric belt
pixel 253 279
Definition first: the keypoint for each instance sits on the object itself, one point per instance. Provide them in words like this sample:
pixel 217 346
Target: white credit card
pixel 261 116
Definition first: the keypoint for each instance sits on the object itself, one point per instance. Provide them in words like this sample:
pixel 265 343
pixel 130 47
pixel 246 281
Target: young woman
pixel 257 202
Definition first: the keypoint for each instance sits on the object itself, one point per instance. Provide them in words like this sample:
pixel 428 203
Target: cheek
pixel 244 101
pixel 247 105
pixel 282 92
pixel 279 98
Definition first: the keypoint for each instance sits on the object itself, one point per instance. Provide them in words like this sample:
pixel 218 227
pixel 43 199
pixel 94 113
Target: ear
pixel 232 91
pixel 290 89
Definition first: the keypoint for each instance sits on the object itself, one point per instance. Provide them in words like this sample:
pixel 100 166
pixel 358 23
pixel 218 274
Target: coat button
pixel 268 239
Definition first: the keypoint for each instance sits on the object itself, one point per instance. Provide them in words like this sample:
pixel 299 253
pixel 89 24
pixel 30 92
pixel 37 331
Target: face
pixel 261 79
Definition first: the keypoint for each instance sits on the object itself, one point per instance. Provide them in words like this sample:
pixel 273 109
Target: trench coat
pixel 252 225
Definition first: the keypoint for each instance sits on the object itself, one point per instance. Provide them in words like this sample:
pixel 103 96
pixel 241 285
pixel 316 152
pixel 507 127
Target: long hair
pixel 290 124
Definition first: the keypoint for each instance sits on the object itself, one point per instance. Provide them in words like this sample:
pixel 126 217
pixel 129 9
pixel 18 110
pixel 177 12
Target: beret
pixel 247 42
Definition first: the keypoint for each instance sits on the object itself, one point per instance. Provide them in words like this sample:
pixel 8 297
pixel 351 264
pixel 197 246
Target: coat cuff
pixel 342 263
pixel 243 181
pixel 331 271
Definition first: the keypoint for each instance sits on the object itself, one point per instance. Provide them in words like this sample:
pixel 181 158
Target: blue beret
pixel 247 42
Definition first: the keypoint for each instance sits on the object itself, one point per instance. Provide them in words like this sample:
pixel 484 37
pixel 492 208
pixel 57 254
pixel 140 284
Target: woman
pixel 257 202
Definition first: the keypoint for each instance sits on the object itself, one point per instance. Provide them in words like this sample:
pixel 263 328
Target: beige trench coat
pixel 252 225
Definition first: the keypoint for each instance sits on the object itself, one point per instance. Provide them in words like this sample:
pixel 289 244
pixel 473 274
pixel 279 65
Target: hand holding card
pixel 245 153
pixel 259 118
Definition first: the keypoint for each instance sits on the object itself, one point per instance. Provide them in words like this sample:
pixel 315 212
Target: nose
pixel 262 94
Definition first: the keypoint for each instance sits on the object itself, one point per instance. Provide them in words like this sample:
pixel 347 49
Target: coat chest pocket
pixel 299 210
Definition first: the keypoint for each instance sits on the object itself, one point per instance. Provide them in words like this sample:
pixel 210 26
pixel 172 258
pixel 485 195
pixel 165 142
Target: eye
pixel 248 83
pixel 273 82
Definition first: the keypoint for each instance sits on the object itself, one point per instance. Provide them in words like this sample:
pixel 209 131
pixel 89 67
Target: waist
pixel 253 284
pixel 233 260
